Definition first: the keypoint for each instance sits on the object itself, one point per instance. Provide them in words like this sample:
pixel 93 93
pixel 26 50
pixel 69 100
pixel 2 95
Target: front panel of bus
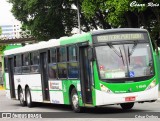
pixel 124 68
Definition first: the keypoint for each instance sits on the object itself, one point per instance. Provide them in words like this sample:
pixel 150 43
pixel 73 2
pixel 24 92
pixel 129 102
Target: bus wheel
pixel 127 106
pixel 75 102
pixel 28 98
pixel 21 98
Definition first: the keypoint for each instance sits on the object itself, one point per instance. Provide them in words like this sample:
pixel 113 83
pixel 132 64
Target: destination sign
pixel 120 37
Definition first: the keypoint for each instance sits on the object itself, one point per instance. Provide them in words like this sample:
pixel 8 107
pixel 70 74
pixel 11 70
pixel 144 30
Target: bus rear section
pixel 8 67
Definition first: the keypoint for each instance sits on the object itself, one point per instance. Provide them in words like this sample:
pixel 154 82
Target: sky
pixel 6 16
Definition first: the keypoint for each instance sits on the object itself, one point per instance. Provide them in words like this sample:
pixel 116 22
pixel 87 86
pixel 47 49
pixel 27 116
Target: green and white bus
pixel 99 68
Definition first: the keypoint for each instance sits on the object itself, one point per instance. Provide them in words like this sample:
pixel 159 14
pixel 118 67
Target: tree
pixel 45 18
pixel 121 13
pixel 55 18
pixel 52 18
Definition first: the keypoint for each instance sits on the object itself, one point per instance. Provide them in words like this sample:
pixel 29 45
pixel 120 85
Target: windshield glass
pixel 140 60
pixel 124 60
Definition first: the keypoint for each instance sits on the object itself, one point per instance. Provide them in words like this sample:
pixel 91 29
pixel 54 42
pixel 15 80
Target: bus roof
pixel 48 44
pixel 66 40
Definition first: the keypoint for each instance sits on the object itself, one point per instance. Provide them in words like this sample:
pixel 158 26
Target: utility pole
pixel 79 22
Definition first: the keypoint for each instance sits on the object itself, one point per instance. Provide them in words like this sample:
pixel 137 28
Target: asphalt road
pixel 63 112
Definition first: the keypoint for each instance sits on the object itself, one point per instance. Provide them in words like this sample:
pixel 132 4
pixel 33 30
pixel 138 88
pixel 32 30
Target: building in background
pixel 10 31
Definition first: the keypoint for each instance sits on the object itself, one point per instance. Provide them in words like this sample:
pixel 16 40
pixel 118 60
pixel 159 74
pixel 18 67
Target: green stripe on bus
pixel 76 39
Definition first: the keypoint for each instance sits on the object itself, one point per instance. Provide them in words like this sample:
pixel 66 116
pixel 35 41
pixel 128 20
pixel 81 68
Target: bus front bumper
pixel 104 98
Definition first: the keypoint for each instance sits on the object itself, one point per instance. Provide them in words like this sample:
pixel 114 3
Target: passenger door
pixel 85 74
pixel 11 76
pixel 44 75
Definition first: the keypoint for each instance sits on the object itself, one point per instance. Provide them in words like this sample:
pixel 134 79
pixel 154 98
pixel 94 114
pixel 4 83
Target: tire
pixel 127 106
pixel 75 101
pixel 21 97
pixel 28 98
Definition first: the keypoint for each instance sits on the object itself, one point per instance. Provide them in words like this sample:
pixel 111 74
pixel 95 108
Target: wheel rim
pixel 28 98
pixel 75 101
pixel 21 97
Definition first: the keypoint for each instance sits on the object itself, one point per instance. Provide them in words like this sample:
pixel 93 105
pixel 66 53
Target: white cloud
pixel 6 17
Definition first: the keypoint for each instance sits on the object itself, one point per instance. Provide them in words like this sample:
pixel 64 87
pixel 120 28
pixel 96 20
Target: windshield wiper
pixel 132 50
pixel 116 51
pixel 121 55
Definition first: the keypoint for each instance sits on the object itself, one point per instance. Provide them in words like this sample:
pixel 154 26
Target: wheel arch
pixel 70 90
pixel 18 91
pixel 26 87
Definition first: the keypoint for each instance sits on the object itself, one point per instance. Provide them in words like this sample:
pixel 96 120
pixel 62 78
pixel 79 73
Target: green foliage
pixel 115 10
pixel 120 13
pixel 89 8
pixel 2 48
pixel 55 18
pixel 118 10
pixel 45 18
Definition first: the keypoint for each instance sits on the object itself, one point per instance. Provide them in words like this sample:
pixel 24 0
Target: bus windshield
pixel 124 60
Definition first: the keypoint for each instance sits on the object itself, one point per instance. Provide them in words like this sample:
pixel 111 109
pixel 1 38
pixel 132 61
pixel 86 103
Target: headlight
pixel 105 89
pixel 151 85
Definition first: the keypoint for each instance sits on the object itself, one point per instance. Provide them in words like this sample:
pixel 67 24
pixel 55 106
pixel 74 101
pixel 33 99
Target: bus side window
pixel 62 64
pixel 5 64
pixel 17 64
pixel 52 70
pixel 26 63
pixel 26 59
pixel 34 62
pixel 72 53
pixel 61 54
pixel 73 70
pixel 53 55
pixel 62 70
pixel 52 65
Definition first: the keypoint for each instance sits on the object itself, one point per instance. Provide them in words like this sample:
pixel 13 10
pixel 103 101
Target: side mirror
pixel 90 54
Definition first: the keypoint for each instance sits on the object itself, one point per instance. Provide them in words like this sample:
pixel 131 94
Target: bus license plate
pixel 131 98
